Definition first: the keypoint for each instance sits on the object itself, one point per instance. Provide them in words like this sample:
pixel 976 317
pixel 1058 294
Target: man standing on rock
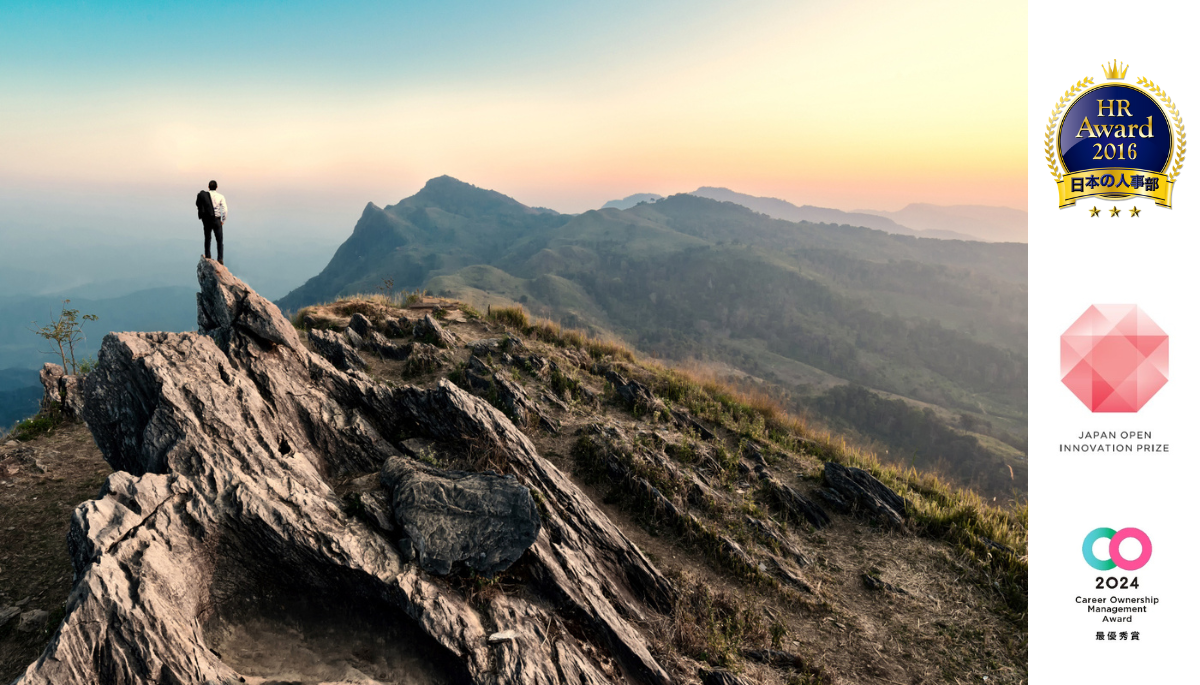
pixel 213 210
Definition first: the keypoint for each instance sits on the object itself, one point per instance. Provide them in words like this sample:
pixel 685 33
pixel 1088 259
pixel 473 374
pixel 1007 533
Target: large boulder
pixel 480 520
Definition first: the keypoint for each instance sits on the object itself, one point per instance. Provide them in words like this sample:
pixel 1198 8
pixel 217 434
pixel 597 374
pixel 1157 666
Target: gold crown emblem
pixel 1113 71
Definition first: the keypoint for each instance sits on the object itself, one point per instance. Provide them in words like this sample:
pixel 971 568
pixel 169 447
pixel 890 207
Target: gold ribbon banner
pixel 1116 184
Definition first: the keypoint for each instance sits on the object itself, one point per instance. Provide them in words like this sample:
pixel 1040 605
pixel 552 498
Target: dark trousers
pixel 211 227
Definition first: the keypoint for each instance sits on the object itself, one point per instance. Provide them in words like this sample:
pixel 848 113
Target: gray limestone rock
pixel 61 388
pixel 380 345
pixel 50 375
pixel 864 490
pixel 429 331
pixel 334 348
pixel 636 395
pixel 480 520
pixel 422 358
pixel 361 325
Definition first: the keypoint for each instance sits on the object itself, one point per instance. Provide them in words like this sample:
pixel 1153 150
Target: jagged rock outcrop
pixel 864 490
pixel 225 443
pixel 362 335
pixel 361 325
pixel 771 533
pixel 50 375
pixel 336 350
pixel 429 331
pixel 518 405
pixel 481 520
pixel 635 394
pixel 58 386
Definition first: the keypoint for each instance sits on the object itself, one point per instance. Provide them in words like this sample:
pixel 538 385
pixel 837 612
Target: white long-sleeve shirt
pixel 220 207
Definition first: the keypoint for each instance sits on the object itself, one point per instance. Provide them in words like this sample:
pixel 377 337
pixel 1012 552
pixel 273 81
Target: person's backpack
pixel 204 206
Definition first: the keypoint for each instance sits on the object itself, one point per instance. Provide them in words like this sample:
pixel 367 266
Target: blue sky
pixel 306 111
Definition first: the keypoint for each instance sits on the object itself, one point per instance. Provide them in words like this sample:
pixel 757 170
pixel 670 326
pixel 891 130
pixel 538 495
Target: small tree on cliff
pixel 65 331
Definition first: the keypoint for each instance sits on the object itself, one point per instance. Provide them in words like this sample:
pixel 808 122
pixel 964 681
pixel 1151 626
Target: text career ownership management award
pixel 1115 141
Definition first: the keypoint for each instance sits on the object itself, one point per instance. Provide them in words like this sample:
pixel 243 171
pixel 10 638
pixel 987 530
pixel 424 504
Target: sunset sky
pixel 865 104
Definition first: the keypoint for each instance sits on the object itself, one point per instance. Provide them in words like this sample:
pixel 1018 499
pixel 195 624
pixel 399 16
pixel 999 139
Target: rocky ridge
pixel 284 498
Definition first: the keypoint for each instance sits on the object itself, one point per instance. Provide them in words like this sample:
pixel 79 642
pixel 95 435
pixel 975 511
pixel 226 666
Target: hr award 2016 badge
pixel 1115 141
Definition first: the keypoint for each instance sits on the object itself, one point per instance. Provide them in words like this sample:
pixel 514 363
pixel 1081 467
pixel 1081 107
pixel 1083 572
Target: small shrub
pixel 65 331
pixel 39 425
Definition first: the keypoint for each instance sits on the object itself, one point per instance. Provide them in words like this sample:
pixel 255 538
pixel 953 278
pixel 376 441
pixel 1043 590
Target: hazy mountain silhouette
pixel 993 224
pixel 20 395
pixel 632 200
pixel 156 309
pixel 782 209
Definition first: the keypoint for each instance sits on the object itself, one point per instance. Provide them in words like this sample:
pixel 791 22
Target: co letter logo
pixel 1115 538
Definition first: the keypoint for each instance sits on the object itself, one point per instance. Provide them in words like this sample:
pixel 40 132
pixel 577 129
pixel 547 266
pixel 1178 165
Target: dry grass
pixel 551 332
pixel 712 624
pixel 995 537
pixel 376 307
pixel 940 509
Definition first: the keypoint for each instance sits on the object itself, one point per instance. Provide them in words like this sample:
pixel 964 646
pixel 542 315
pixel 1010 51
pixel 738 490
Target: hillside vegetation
pixel 717 485
pixel 796 308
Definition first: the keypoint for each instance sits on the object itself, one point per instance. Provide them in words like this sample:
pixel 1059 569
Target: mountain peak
pixel 459 197
pixel 445 181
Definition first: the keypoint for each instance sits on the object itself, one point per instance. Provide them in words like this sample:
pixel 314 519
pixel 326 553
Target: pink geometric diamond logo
pixel 1114 358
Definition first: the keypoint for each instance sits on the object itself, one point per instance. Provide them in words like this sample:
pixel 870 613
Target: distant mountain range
pixel 993 224
pixel 20 395
pixel 22 351
pixel 960 222
pixel 930 335
pixel 632 201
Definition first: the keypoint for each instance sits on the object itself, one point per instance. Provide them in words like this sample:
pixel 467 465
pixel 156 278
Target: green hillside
pixel 937 327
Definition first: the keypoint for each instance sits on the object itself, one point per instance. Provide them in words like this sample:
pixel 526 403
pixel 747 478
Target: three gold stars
pixel 1116 212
